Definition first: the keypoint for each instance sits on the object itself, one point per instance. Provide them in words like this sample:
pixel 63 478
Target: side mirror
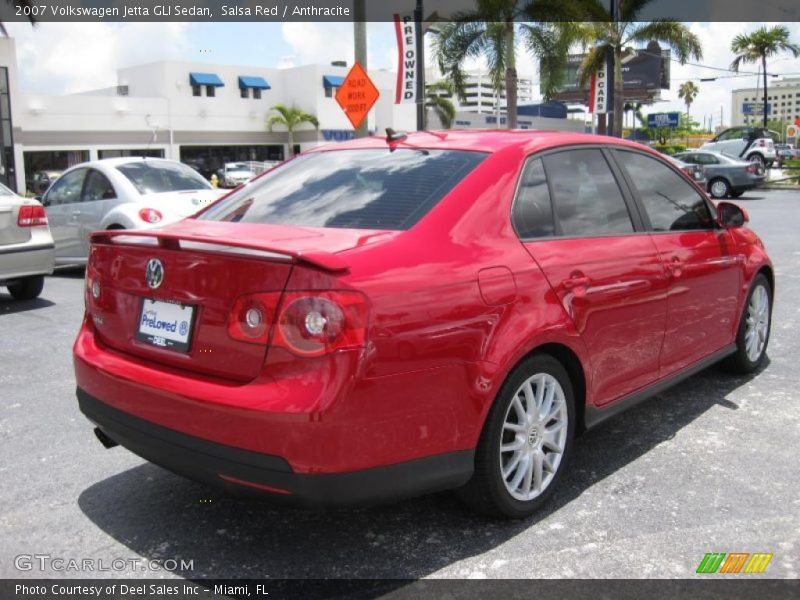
pixel 731 216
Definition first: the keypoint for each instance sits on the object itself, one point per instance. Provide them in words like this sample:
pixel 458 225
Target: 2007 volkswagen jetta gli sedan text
pixel 394 316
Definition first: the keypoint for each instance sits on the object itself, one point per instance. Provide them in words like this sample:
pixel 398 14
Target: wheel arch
pixel 571 362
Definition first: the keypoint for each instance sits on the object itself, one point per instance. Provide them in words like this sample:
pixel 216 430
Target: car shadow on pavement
pixel 9 306
pixel 159 515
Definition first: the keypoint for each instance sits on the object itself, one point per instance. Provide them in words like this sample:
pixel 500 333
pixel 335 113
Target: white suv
pixel 754 144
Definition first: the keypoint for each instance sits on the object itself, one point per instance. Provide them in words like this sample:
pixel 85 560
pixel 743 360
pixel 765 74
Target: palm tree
pixel 615 36
pixel 437 99
pixel 22 3
pixel 490 31
pixel 290 118
pixel 688 92
pixel 759 45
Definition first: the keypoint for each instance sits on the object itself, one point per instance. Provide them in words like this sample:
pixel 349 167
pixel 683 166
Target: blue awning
pixel 255 83
pixel 332 81
pixel 205 79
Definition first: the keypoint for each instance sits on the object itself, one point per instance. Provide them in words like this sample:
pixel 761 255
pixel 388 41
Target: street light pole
pixel 420 65
pixel 360 43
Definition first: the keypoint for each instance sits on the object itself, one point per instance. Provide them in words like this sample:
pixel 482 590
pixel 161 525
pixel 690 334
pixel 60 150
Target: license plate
pixel 165 324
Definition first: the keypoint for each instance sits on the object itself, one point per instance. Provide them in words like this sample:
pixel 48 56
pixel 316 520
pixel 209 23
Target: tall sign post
pixel 360 43
pixel 357 96
pixel 411 61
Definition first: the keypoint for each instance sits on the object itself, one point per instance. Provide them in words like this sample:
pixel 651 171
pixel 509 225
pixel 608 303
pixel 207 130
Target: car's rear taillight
pixel 150 215
pixel 252 317
pixel 309 323
pixel 762 143
pixel 753 168
pixel 32 215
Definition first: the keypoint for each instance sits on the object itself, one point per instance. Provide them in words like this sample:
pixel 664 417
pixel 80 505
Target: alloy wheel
pixel 534 437
pixel 757 323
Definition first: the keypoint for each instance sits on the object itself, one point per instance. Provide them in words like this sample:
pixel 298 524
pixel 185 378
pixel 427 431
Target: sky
pixel 58 58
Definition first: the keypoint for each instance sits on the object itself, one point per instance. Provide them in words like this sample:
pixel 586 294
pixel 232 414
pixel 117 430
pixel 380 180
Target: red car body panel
pixel 454 303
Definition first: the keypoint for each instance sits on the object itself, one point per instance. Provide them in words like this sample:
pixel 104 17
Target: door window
pixel 533 212
pixel 67 189
pixel 670 202
pixel 586 196
pixel 97 187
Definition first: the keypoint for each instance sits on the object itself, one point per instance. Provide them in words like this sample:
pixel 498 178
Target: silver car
pixel 120 193
pixel 234 174
pixel 726 175
pixel 26 246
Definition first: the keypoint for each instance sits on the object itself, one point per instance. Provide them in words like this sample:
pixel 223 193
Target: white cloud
pixel 71 57
pixel 318 43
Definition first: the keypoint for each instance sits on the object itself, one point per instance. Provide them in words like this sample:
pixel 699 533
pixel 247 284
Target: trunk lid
pixel 10 232
pixel 207 265
pixel 183 204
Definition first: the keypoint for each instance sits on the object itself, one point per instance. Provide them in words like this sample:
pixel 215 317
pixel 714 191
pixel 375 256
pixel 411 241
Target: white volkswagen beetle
pixel 120 193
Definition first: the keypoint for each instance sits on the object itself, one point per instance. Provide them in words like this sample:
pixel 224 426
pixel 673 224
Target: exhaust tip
pixel 104 438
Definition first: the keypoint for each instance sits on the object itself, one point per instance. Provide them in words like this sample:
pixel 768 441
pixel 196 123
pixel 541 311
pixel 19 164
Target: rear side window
pixel 533 211
pixel 151 177
pixel 586 196
pixel 671 203
pixel 357 189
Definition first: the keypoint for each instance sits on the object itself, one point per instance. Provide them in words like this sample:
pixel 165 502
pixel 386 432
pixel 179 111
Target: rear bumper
pixel 244 471
pixel 26 260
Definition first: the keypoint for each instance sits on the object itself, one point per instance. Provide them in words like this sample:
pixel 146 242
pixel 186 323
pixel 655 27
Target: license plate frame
pixel 157 319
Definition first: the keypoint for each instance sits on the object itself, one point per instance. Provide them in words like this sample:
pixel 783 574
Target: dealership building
pixel 199 113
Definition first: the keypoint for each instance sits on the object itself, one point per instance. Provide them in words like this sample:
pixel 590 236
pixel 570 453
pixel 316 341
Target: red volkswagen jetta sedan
pixel 390 317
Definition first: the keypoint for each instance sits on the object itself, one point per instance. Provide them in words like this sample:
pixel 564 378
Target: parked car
pixel 695 171
pixel 41 180
pixel 753 144
pixel 389 317
pixel 727 176
pixel 786 152
pixel 26 246
pixel 236 173
pixel 120 193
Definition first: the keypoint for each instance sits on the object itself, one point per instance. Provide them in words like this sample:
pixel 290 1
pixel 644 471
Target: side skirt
pixel 595 416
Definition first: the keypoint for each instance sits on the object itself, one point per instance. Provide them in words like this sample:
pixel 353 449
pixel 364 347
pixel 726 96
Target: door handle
pixel 576 281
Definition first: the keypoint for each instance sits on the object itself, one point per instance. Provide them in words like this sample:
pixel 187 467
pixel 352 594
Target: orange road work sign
pixel 357 95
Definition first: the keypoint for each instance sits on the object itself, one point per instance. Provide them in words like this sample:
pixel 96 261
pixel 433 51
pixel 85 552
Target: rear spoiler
pixel 321 259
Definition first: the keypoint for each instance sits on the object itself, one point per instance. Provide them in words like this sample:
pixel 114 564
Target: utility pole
pixel 360 42
pixel 418 35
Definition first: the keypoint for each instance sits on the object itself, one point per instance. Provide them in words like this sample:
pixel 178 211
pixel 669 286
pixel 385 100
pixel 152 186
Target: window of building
pixel 197 90
pixel 211 91
pixel 329 91
pixel 256 93
pixel 244 92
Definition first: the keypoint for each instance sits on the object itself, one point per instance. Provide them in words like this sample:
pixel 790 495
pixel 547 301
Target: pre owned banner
pixel 407 59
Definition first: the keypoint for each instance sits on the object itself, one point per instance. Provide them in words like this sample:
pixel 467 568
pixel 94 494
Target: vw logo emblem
pixel 154 273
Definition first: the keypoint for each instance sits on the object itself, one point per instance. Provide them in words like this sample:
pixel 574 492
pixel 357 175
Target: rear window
pixel 157 177
pixel 355 189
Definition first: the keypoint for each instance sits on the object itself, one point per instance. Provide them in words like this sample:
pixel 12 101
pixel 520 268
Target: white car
pixel 236 173
pixel 26 247
pixel 753 144
pixel 120 193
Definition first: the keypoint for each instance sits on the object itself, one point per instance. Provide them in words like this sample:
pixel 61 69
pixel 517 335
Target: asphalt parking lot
pixel 708 466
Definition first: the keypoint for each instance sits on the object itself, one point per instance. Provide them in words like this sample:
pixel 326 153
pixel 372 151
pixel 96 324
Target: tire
pixel 28 288
pixel 755 317
pixel 500 493
pixel 719 188
pixel 736 194
pixel 758 159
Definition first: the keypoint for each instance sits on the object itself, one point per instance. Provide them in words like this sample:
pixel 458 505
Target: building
pixel 205 115
pixel 783 98
pixel 199 113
